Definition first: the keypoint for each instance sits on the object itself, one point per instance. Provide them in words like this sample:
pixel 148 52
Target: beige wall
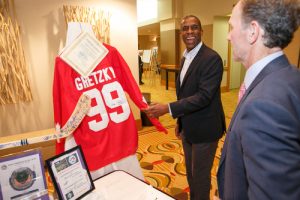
pixel 207 9
pixel 207 38
pixel 169 47
pixel 43 32
pixel 146 42
pixel 165 9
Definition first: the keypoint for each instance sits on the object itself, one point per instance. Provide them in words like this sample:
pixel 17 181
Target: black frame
pixel 83 164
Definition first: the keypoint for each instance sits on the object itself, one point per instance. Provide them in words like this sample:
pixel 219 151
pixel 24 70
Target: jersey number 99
pixel 110 102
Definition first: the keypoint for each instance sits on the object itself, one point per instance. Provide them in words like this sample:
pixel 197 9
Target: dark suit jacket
pixel 261 154
pixel 198 107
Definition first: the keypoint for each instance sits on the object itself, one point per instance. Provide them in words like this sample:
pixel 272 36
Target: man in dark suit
pixel 261 153
pixel 199 108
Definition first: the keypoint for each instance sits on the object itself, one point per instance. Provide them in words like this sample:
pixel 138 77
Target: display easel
pixel 146 60
pixel 151 68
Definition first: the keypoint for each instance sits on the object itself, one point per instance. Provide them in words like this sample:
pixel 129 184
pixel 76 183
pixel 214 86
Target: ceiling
pixel 151 29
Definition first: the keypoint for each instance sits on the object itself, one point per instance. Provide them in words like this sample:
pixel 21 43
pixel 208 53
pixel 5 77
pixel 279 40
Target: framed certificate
pixel 22 176
pixel 70 175
pixel 84 54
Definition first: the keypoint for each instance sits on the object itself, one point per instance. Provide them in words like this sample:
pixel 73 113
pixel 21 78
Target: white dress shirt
pixel 189 57
pixel 257 67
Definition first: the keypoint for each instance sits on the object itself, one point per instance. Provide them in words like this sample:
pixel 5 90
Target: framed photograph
pixel 70 175
pixel 23 176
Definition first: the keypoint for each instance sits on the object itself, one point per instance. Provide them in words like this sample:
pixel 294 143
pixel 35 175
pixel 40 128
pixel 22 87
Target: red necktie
pixel 242 91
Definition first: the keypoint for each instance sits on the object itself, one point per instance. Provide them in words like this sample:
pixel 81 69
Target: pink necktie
pixel 242 91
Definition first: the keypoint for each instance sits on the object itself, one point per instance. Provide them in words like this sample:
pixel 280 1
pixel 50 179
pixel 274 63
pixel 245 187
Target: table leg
pixel 167 79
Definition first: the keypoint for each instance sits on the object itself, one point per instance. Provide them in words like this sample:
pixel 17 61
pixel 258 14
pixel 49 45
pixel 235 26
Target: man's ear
pixel 254 31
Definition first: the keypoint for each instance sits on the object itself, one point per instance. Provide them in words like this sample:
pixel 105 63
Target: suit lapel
pixel 193 65
pixel 275 65
pixel 178 77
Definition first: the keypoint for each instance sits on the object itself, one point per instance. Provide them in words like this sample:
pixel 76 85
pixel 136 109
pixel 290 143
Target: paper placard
pixel 84 54
pixel 22 177
pixel 70 175
pixel 146 56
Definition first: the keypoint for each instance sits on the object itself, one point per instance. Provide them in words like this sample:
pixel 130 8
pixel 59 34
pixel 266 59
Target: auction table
pixel 121 185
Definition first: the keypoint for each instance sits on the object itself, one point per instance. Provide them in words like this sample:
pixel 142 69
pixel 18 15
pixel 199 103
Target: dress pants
pixel 199 160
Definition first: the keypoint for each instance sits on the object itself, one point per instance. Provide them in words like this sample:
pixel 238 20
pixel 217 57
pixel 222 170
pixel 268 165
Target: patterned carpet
pixel 161 155
pixel 161 158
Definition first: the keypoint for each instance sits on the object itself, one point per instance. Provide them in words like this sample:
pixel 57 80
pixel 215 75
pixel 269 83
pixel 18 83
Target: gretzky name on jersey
pixel 95 78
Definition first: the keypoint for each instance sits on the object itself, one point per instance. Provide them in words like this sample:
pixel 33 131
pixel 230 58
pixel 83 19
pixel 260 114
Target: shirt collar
pixel 192 53
pixel 257 67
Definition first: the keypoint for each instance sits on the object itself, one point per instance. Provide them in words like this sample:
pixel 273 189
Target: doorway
pixel 234 72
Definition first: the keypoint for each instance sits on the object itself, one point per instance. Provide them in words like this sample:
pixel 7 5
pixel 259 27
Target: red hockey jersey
pixel 108 132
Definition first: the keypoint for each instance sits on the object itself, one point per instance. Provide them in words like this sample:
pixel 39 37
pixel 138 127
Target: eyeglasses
pixel 193 28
